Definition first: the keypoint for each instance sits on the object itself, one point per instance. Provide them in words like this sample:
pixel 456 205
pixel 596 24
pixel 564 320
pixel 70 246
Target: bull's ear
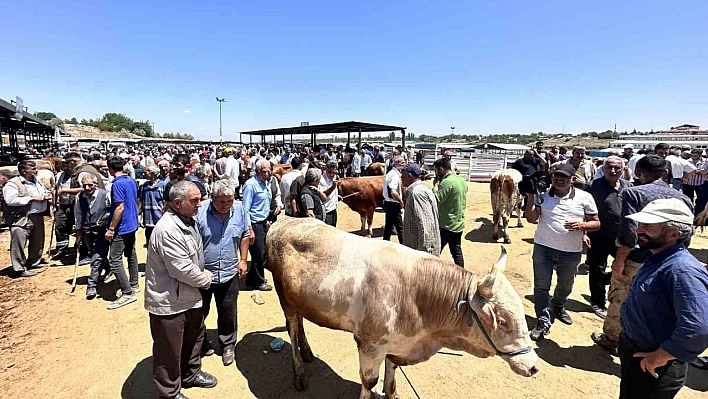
pixel 500 264
pixel 485 312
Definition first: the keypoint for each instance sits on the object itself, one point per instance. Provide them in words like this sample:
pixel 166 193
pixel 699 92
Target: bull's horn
pixel 500 264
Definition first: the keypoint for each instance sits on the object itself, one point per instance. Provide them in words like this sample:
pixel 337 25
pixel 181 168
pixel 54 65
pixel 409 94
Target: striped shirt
pixel 696 179
pixel 153 200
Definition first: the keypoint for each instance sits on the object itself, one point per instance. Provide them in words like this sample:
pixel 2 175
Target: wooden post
pixel 358 145
pixel 403 140
pixel 348 138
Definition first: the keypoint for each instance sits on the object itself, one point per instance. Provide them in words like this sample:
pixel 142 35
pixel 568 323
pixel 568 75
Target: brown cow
pixel 506 198
pixel 402 305
pixel 376 169
pixel 281 169
pixel 363 195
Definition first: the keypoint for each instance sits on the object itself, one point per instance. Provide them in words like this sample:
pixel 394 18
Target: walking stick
pixel 51 238
pixel 76 267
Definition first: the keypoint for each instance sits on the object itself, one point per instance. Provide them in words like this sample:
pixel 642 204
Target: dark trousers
pixel 33 232
pixel 455 242
pixel 259 258
pixel 176 343
pixel 331 218
pixel 638 384
pixel 690 191
pixel 226 297
pixel 124 245
pixel 394 218
pixel 601 246
pixel 96 240
pixel 64 224
pixel 701 198
pixel 148 233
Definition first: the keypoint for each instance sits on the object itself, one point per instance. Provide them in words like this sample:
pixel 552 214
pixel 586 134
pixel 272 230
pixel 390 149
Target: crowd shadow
pixel 376 232
pixel 139 384
pixel 106 291
pixel 589 358
pixel 571 304
pixel 697 379
pixel 482 233
pixel 269 375
pixel 700 253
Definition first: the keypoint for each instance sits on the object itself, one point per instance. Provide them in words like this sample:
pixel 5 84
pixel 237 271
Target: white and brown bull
pixel 506 198
pixel 401 305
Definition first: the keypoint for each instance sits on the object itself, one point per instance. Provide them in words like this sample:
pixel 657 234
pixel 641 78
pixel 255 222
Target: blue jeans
pixel 676 183
pixel 566 264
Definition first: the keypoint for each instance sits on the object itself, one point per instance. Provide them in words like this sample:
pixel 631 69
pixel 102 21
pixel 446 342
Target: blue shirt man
pixel 221 239
pixel 124 190
pixel 665 315
pixel 257 196
pixel 256 199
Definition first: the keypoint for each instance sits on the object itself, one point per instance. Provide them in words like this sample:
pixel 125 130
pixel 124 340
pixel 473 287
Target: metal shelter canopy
pixel 30 133
pixel 328 128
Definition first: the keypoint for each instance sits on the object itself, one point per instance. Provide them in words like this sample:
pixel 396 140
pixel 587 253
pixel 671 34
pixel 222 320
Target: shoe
pixel 136 288
pixel 109 277
pixel 59 254
pixel 561 315
pixel 700 363
pixel 122 301
pixel 202 380
pixel 207 350
pixel 228 356
pixel 26 273
pixel 601 340
pixel 84 261
pixel 540 331
pixel 264 287
pixel 91 293
pixel 180 396
pixel 600 312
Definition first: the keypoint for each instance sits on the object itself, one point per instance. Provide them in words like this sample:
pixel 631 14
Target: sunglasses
pixel 88 185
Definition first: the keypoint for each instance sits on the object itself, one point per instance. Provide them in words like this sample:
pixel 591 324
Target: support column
pixel 358 145
pixel 349 137
pixel 403 139
pixel 291 139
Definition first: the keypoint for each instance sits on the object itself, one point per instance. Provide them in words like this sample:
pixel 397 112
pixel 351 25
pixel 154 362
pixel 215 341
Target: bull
pixel 376 169
pixel 506 198
pixel 401 305
pixel 363 195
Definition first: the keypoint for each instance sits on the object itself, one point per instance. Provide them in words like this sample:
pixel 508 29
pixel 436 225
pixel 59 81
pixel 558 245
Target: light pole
pixel 221 133
pixel 452 128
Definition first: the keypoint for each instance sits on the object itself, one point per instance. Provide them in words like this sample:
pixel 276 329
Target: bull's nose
pixel 533 371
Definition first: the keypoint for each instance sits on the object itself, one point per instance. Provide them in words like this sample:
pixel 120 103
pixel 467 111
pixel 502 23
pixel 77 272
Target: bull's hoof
pixel 507 240
pixel 307 355
pixel 300 382
pixel 495 237
pixel 519 225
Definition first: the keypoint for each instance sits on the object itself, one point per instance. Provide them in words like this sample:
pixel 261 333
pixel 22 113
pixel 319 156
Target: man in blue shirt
pixel 665 315
pixel 122 224
pixel 256 202
pixel 224 228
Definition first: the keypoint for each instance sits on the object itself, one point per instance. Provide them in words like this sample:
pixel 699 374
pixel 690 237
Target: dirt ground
pixel 59 346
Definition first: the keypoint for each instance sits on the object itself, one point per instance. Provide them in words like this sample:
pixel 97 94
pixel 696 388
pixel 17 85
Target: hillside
pixel 96 133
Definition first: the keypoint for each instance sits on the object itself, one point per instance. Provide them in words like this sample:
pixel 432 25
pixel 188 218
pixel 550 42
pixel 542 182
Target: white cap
pixel 664 210
pixel 628 146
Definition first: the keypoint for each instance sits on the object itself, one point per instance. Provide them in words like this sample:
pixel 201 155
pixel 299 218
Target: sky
pixel 509 66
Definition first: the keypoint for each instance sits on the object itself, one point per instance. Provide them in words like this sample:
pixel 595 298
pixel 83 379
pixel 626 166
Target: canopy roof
pixel 328 128
pixel 502 146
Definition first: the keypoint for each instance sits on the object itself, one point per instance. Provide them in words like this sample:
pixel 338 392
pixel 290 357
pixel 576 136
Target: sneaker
pixel 91 293
pixel 109 277
pixel 136 288
pixel 540 331
pixel 122 301
pixel 84 261
pixel 700 363
pixel 601 340
pixel 26 273
pixel 561 315
pixel 601 312
pixel 59 254
pixel 264 287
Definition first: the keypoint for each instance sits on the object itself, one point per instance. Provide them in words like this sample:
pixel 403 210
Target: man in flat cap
pixel 420 224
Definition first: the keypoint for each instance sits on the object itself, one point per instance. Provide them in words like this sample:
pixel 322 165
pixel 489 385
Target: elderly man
pixel 174 273
pixel 152 200
pixel 257 197
pixel 393 201
pixel 692 187
pixel 165 169
pixel 665 315
pixel 607 193
pixel 90 212
pixel 122 225
pixel 292 181
pixel 584 168
pixel 365 161
pixel 420 224
pixel 309 198
pixel 26 202
pixel 328 187
pixel 451 193
pixel 224 228
pixel 563 216
pixel 64 202
pixel 651 171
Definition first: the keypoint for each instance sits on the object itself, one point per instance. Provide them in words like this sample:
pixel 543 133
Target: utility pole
pixel 221 133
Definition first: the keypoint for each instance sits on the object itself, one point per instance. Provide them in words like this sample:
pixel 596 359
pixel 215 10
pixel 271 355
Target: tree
pixel 56 122
pixel 71 121
pixel 46 116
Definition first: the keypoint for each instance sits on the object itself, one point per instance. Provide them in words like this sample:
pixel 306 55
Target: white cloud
pixel 186 111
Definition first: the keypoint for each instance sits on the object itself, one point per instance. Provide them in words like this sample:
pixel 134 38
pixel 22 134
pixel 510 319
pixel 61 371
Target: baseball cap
pixel 664 210
pixel 332 164
pixel 628 146
pixel 413 169
pixel 565 169
pixel 228 150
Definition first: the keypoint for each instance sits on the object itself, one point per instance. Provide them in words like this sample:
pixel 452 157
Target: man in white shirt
pixel 365 161
pixel 633 164
pixel 286 185
pixel 563 217
pixel 393 201
pixel 232 169
pixel 681 169
pixel 328 186
pixel 356 164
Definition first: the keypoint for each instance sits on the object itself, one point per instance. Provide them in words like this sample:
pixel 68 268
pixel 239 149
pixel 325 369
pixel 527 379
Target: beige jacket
pixel 174 271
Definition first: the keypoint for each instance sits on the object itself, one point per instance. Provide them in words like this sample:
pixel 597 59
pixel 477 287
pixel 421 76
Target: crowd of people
pixel 206 209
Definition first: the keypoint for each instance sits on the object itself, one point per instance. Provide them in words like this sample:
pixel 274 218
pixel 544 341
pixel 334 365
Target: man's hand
pixel 242 268
pixel 38 198
pixel 109 235
pixel 251 235
pixel 617 269
pixel 210 275
pixel 79 234
pixel 586 241
pixel 277 210
pixel 574 225
pixel 652 360
pixel 402 204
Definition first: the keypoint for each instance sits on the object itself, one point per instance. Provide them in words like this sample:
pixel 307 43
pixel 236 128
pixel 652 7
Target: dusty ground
pixel 58 346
